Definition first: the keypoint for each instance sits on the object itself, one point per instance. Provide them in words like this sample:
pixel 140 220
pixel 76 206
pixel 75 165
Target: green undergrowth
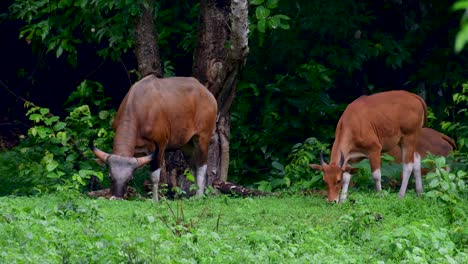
pixel 374 228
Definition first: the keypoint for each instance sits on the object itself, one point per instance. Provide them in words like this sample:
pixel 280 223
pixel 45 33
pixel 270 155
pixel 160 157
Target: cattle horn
pixel 99 153
pixel 322 162
pixel 145 160
pixel 341 159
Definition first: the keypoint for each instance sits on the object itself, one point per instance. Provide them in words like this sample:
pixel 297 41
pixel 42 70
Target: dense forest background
pixel 308 59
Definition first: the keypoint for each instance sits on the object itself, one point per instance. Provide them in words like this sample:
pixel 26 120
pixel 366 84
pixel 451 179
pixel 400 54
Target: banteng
pixel 155 115
pixel 369 126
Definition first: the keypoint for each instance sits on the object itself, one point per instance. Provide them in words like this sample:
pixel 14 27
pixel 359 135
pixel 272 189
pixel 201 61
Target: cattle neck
pixel 335 156
pixel 125 139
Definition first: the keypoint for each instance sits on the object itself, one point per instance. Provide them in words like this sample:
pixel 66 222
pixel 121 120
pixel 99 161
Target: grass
pixel 286 229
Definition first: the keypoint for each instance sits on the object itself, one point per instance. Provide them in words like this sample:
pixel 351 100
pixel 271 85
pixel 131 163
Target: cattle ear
pixel 350 169
pixel 316 167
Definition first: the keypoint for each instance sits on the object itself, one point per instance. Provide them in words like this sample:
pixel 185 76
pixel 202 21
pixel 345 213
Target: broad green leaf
pixel 274 22
pixel 445 186
pixel 52 175
pixel 103 114
pixel 59 126
pixel 434 183
pixel 256 2
pixel 35 117
pixel 52 165
pixel 461 39
pixel 461 184
pixel 460 5
pixel 262 13
pixel 461 173
pixel 271 4
pixel 277 166
pixel 261 25
pixel 33 131
pixel 44 111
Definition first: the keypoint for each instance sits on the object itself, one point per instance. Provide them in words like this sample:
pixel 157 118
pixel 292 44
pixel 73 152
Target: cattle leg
pixel 156 173
pixel 344 189
pixel 201 179
pixel 201 150
pixel 417 173
pixel 407 154
pixel 375 160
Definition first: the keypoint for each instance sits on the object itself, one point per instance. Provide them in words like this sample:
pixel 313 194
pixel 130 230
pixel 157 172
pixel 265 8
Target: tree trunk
pixel 146 45
pixel 220 54
pixel 216 65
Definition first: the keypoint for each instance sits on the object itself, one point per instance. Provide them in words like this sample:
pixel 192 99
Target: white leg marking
pixel 407 169
pixel 155 175
pixel 344 189
pixel 377 176
pixel 417 172
pixel 201 175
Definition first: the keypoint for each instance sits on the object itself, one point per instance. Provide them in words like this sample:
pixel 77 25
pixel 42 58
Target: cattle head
pixel 120 169
pixel 333 176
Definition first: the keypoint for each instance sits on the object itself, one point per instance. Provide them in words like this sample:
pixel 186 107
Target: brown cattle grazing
pixel 159 114
pixel 369 126
pixel 430 141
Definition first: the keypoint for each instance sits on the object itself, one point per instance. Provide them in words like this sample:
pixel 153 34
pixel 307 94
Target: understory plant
pixel 296 174
pixel 55 155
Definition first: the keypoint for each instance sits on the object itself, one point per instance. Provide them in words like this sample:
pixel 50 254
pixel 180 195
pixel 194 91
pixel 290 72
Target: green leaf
pixel 59 126
pixel 103 114
pixel 52 165
pixel 271 4
pixel 277 166
pixel 461 173
pixel 460 5
pixel 59 52
pixel 256 2
pixel 44 111
pixel 33 131
pixel 35 117
pixel 461 39
pixel 262 13
pixel 434 183
pixel 261 25
pixel 52 175
pixel 445 186
pixel 274 22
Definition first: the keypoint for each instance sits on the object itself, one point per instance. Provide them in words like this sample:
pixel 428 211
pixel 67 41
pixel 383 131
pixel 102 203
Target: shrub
pixel 54 155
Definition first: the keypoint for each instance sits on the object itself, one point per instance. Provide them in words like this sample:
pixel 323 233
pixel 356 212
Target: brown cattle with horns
pixel 369 126
pixel 159 114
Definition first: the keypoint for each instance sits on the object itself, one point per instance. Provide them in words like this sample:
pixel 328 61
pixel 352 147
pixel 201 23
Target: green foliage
pixel 462 36
pixel 459 123
pixel 62 26
pixel 419 242
pixel 357 225
pixel 263 19
pixel 447 188
pixel 294 229
pixel 297 174
pixel 54 156
pixel 286 110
